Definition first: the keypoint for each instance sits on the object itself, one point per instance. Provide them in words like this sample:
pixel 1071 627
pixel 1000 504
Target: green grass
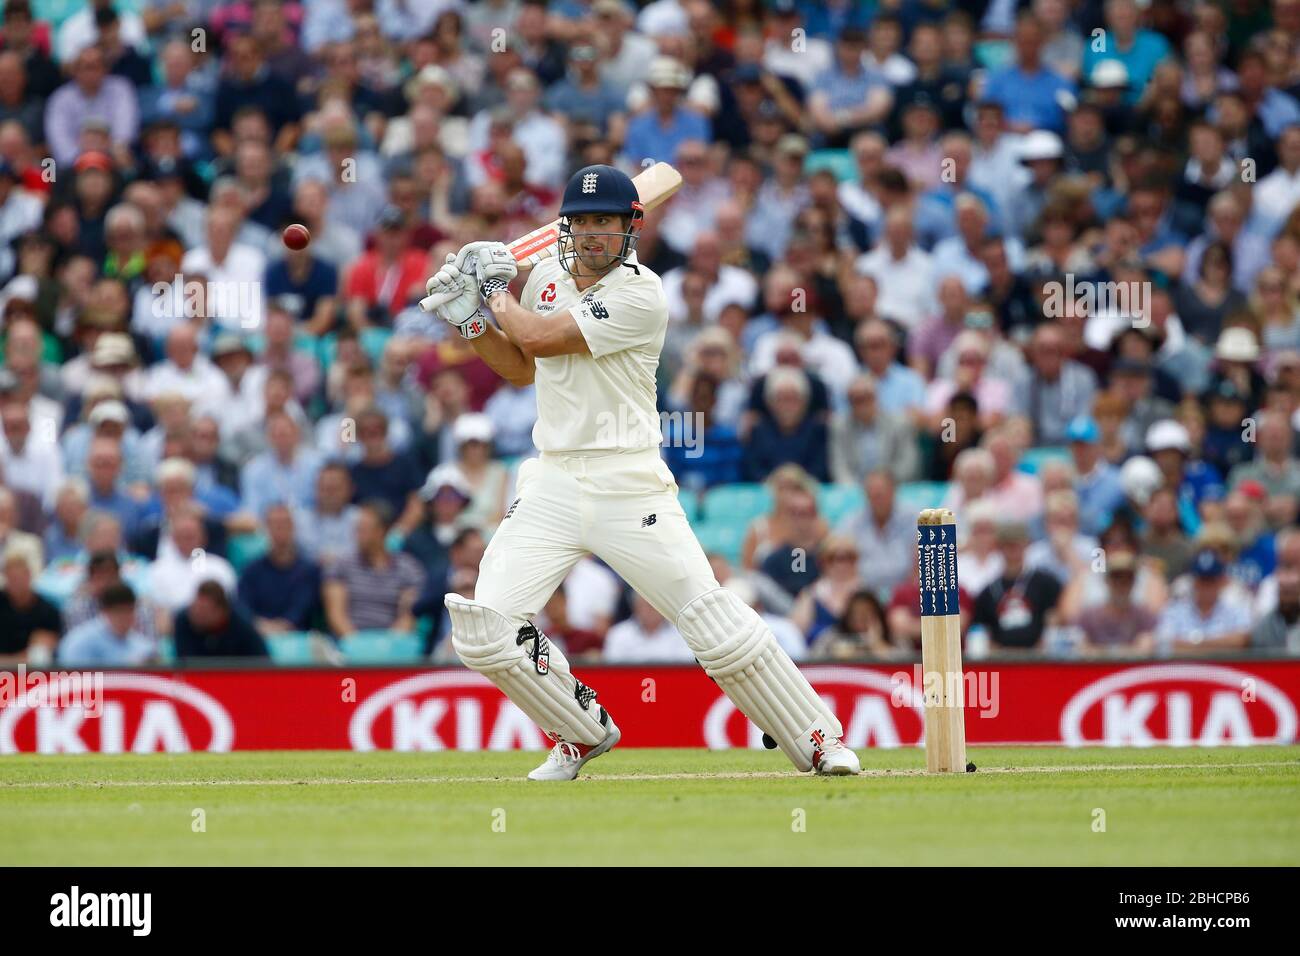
pixel 1024 806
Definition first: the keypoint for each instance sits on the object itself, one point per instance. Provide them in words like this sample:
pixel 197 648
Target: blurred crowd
pixel 1037 262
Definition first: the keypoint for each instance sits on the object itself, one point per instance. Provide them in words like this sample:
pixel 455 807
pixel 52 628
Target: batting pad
pixel 741 653
pixel 534 674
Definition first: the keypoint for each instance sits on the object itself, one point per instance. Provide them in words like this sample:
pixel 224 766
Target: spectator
pixel 700 450
pixel 281 589
pixel 848 97
pixel 29 624
pixel 186 372
pixel 658 133
pixel 445 495
pixel 383 473
pixel 1138 49
pixel 110 639
pixel 821 603
pixel 860 632
pixel 902 270
pixel 865 439
pixel 104 570
pixel 32 462
pixel 91 93
pixel 1204 620
pixel 884 535
pixel 1169 443
pixel 390 275
pixel 1120 625
pixel 283 474
pixel 211 627
pixel 485 478
pixel 645 638
pixel 1274 467
pixel 183 562
pixel 1097 480
pixel 1243 512
pixel 457 575
pixel 1029 93
pixel 1014 493
pixel 1279 629
pixel 992 395
pixel 900 390
pixel 1058 389
pixel 1065 551
pixel 792 435
pixel 588 101
pixel 62 534
pixel 372 589
pixel 931 339
pixel 978 556
pixel 946 439
pixel 327 533
pixel 1021 604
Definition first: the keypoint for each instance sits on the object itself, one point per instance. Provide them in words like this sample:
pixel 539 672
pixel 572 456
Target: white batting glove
pixel 489 261
pixel 459 300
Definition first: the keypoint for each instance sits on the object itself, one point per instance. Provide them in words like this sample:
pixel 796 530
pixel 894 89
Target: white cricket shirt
pixel 604 401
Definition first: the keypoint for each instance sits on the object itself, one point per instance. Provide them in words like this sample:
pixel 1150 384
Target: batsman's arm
pixel 544 336
pixel 504 357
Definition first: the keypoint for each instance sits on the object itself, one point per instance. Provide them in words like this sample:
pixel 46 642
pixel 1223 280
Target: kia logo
pixel 1199 704
pixel 159 723
pixel 868 718
pixel 444 710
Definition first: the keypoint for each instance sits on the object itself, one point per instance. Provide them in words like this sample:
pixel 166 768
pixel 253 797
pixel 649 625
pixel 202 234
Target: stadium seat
pixel 373 341
pixel 381 647
pixel 724 537
pixel 736 504
pixel 291 649
pixel 166 651
pixel 837 502
pixel 838 161
pixel 690 502
pixel 917 495
pixel 1034 459
pixel 243 549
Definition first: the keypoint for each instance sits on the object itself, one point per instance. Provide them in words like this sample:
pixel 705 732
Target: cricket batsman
pixel 588 330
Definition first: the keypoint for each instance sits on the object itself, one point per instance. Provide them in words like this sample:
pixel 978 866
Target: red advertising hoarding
pixel 1203 703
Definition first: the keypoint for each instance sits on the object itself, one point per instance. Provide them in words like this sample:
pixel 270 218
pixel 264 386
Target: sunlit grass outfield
pixel 1023 806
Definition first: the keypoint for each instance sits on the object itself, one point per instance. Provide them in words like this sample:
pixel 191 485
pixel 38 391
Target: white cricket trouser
pixel 623 509
pixel 620 507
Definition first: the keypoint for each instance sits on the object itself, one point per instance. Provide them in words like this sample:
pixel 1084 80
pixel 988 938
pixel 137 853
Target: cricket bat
pixel 943 688
pixel 654 185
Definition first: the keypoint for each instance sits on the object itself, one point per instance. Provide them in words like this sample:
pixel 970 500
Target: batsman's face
pixel 598 239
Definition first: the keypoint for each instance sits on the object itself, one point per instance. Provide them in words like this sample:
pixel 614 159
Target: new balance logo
pixel 511 510
pixel 647 521
pixel 598 310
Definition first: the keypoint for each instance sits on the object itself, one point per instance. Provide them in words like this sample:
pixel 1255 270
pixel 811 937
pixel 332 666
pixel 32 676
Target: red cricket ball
pixel 296 236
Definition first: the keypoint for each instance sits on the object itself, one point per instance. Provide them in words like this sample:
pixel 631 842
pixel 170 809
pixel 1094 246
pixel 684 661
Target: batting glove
pixel 463 311
pixel 492 262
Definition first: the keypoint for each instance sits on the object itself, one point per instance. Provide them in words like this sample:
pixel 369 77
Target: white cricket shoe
pixel 566 759
pixel 836 760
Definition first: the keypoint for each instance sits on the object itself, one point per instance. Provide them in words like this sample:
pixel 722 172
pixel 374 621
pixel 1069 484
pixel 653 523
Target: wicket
pixel 943 687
